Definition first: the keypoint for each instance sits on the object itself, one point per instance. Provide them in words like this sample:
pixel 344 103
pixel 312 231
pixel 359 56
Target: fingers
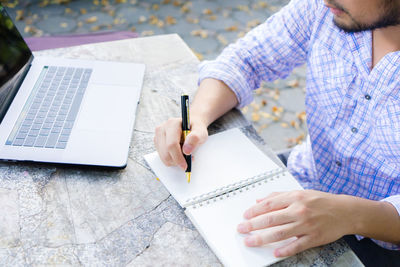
pixel 172 144
pixel 294 247
pixel 265 221
pixel 271 235
pixel 273 202
pixel 167 141
pixel 270 195
pixel 159 142
pixel 197 136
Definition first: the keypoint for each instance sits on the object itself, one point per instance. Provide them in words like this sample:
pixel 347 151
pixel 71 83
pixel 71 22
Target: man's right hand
pixel 168 138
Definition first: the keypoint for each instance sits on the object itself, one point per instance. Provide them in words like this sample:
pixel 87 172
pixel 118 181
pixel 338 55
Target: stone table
pixel 58 215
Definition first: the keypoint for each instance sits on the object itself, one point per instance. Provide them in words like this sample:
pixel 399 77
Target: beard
pixel 390 16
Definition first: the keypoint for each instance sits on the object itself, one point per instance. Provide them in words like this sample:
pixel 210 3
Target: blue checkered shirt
pixel 353 112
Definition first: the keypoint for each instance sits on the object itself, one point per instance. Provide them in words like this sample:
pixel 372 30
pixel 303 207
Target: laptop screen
pixel 15 58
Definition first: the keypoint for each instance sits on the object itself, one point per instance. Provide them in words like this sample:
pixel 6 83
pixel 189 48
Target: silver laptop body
pixel 63 110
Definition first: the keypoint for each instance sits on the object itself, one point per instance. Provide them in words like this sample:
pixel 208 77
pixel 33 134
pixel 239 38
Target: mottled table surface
pixel 57 215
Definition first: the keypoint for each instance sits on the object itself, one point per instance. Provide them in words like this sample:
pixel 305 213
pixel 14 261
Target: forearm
pixel 212 100
pixel 374 219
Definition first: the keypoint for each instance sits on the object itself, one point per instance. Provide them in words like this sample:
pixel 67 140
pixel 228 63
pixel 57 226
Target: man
pixel 351 159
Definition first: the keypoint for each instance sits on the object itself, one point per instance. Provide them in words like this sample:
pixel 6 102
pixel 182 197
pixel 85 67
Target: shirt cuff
pixel 395 201
pixel 230 76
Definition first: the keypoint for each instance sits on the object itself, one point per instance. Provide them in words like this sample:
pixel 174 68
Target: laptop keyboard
pixel 50 111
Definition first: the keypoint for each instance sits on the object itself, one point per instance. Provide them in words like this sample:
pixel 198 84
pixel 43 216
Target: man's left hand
pixel 315 218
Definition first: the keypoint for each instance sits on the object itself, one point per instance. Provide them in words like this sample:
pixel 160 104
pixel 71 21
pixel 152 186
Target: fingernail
pixel 183 166
pixel 250 241
pixel 277 253
pixel 187 149
pixel 242 228
pixel 247 214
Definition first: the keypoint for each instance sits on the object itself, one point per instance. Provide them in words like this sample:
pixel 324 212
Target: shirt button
pixel 368 97
pixel 338 163
pixel 354 130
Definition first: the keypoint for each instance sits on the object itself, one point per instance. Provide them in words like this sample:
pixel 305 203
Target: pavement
pixel 207 26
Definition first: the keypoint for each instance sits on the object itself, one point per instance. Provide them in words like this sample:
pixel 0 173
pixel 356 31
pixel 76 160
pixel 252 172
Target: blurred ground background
pixel 206 26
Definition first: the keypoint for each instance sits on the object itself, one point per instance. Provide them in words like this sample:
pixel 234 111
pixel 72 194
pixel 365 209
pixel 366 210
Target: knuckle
pixel 258 240
pixel 279 235
pixel 268 220
pixel 171 146
pixel 194 139
pixel 298 195
pixel 294 249
pixel 249 226
pixel 303 212
pixel 266 205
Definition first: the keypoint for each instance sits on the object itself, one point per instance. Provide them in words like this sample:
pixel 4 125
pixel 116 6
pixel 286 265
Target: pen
pixel 186 131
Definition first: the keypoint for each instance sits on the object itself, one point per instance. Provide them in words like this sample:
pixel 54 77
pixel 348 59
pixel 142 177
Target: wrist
pixel 198 120
pixel 352 213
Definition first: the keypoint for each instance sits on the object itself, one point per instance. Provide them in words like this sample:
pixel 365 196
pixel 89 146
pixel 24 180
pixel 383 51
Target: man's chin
pixel 345 27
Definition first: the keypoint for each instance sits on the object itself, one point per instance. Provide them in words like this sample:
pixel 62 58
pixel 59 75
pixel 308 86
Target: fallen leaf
pixel 92 19
pixel 192 20
pixel 147 33
pixel 202 33
pixel 153 20
pixel 63 25
pixel 198 55
pixel 177 3
pixel 255 116
pixel 222 40
pixel 243 8
pixel 186 7
pixel 302 116
pixel 233 28
pixel 170 20
pixel 207 11
pixel 293 84
pixel 83 11
pixel 20 15
pixel 95 28
pixel 265 115
pixel 142 19
pixel 253 23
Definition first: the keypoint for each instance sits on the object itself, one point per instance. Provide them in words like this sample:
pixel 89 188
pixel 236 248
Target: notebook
pixel 228 174
pixel 59 110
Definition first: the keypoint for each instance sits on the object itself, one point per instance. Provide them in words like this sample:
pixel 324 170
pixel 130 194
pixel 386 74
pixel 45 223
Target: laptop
pixel 64 111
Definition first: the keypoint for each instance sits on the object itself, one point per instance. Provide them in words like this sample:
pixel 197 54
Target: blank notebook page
pixel 225 158
pixel 217 223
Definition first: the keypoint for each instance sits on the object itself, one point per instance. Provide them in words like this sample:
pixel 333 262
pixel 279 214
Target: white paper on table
pixel 225 158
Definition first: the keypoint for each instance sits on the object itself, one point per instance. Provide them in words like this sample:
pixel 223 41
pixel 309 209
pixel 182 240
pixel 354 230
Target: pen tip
pixel 188 176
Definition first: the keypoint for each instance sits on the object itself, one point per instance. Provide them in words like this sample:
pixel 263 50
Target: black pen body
pixel 186 127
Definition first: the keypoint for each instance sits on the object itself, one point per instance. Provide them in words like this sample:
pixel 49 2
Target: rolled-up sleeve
pixel 267 52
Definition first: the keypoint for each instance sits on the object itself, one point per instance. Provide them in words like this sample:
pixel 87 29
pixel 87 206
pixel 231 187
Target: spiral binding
pixel 232 189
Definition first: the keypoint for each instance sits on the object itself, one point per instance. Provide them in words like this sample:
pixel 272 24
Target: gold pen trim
pixel 185 133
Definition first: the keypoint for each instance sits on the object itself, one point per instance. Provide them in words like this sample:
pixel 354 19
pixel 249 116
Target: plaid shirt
pixel 353 112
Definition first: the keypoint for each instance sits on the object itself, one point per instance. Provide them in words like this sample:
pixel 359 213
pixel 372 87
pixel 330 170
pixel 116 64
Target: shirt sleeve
pixel 395 201
pixel 267 52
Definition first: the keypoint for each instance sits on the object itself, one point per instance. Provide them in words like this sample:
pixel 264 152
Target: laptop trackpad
pixel 106 108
